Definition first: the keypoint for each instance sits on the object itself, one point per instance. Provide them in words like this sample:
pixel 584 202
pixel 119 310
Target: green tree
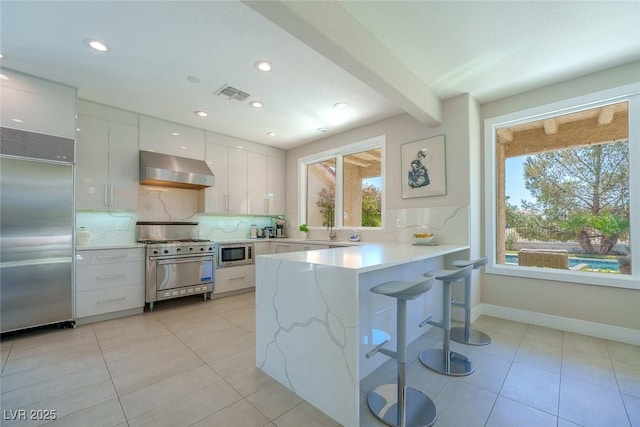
pixel 583 190
pixel 371 206
pixel 327 205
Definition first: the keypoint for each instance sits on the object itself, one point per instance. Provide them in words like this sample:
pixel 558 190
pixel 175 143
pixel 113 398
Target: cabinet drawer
pixel 234 278
pixel 90 303
pixel 109 256
pixel 91 277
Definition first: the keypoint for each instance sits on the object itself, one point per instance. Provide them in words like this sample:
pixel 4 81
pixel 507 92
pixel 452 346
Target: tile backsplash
pixel 450 224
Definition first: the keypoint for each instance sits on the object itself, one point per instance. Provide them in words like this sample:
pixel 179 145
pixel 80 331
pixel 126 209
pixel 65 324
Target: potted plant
pixel 304 230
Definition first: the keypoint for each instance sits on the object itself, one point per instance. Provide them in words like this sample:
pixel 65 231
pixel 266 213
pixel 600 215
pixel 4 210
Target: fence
pixel 542 234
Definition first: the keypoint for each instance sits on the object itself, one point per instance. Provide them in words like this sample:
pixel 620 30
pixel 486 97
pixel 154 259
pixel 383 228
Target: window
pixel 344 187
pixel 562 197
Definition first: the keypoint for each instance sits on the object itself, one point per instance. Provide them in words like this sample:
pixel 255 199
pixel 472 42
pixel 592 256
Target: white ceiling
pixel 398 56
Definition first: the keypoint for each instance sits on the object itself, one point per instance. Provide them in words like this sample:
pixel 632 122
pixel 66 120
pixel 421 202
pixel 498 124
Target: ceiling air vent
pixel 232 93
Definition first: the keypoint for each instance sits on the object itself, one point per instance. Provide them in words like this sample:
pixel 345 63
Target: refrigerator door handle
pixel 110 195
pixel 106 196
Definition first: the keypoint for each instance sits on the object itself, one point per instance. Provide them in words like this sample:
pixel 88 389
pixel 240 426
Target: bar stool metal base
pixel 475 337
pixel 459 364
pixel 420 411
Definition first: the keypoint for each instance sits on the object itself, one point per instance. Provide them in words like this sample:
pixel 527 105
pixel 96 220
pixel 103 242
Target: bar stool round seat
pixel 397 404
pixel 467 335
pixel 443 360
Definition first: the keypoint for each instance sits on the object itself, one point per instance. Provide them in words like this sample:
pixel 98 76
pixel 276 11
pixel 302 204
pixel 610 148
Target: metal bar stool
pixel 467 335
pixel 443 360
pixel 397 404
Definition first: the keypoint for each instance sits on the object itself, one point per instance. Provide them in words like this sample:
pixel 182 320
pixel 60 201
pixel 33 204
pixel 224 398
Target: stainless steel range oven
pixel 177 263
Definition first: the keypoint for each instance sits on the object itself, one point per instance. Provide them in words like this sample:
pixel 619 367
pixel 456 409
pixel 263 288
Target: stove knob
pixel 190 248
pixel 166 251
pixel 210 248
pixel 155 252
pixel 202 248
pixel 178 249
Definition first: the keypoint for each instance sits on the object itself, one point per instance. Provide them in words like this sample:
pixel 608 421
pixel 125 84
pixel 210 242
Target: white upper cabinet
pixel 229 195
pixel 276 184
pixel 257 174
pixel 35 105
pixel 106 158
pixel 249 177
pixel 171 138
pixel 266 184
pixel 237 181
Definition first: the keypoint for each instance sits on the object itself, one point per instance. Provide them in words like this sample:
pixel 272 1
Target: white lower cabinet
pixel 234 278
pixel 109 281
pixel 298 247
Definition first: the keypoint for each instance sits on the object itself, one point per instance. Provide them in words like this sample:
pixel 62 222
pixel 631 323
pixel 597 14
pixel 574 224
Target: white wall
pixel 399 130
pixel 579 306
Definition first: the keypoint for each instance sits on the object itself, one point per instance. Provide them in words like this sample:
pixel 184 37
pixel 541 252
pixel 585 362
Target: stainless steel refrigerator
pixel 36 230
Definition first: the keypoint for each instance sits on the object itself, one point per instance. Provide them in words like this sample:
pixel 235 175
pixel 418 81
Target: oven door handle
pixel 183 260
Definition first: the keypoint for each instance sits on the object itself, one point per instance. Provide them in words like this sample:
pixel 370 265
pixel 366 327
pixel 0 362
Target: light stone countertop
pixel 289 240
pixel 370 256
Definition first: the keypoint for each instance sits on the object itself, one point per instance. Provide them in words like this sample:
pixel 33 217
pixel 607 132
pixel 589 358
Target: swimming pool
pixel 593 263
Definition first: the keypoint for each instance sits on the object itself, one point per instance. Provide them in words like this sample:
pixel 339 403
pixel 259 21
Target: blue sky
pixel 376 182
pixel 514 185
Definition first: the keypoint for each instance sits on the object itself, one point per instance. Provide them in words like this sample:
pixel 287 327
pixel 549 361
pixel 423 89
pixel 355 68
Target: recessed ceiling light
pixel 263 65
pixel 78 130
pixel 184 147
pixel 272 134
pixel 17 120
pixel 175 133
pixel 341 106
pixel 239 146
pixel 256 104
pixel 193 79
pixel 201 113
pixel 96 45
pixel 322 129
pixel 3 77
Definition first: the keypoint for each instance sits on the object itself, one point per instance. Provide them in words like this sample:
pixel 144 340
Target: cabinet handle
pixel 185 260
pixel 110 256
pixel 111 195
pixel 106 196
pixel 237 278
pixel 106 301
pixel 228 202
pixel 110 276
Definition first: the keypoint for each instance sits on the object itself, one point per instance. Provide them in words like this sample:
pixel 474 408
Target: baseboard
pixel 109 316
pixel 598 330
pixel 457 313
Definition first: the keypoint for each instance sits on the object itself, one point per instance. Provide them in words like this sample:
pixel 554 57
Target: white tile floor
pixel 192 363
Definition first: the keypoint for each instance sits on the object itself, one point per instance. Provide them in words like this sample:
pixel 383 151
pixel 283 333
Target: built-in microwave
pixel 231 254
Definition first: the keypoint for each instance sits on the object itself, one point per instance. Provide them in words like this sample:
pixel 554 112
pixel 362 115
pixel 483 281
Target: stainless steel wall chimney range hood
pixel 163 170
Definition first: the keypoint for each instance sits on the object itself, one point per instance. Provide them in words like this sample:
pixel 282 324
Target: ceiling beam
pixel 606 114
pixel 328 28
pixel 575 134
pixel 505 135
pixel 550 126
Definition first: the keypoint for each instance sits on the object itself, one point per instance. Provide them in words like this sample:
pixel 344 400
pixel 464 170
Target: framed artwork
pixel 423 168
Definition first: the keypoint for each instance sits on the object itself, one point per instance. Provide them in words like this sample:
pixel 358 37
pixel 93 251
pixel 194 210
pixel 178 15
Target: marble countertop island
pixel 316 319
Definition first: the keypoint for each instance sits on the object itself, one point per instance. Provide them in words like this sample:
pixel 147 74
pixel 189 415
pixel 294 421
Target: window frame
pixel 629 93
pixel 377 142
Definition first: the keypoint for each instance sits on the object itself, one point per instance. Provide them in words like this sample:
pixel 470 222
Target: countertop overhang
pixel 369 256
